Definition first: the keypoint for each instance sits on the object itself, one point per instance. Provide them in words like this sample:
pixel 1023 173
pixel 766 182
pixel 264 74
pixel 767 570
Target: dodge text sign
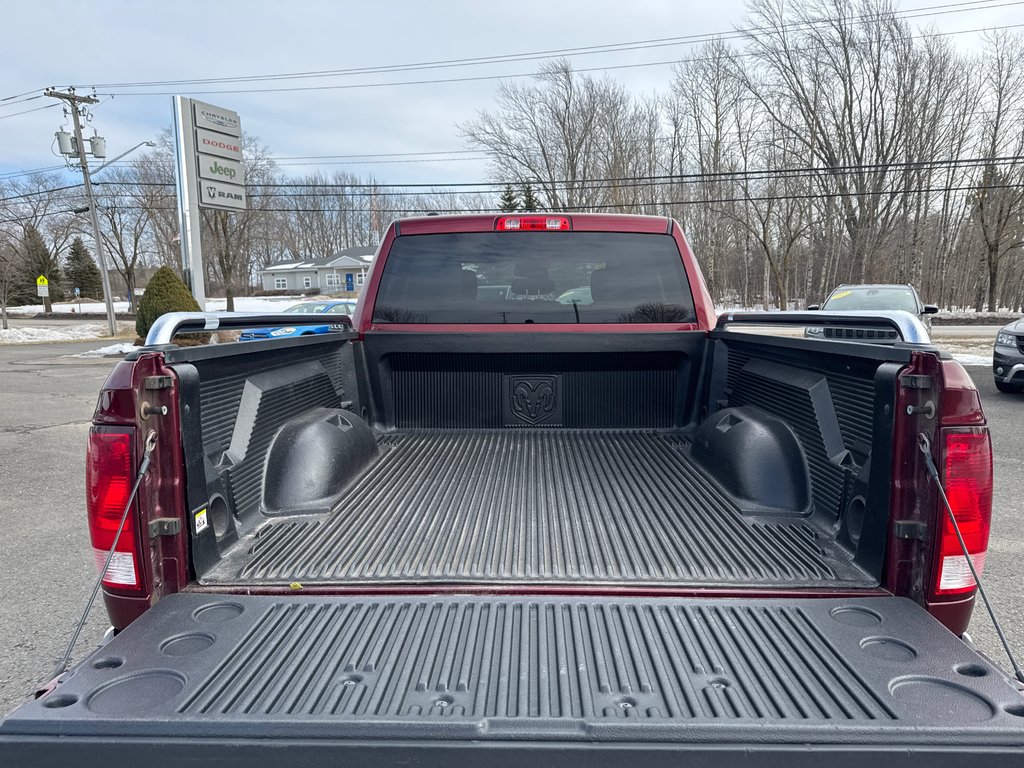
pixel 210 143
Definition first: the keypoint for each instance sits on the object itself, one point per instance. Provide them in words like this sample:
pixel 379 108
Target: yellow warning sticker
pixel 201 521
pixel 841 294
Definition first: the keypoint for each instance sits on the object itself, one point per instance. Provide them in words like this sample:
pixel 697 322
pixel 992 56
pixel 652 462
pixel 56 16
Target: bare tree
pixel 999 201
pixel 834 75
pixel 566 133
pixel 125 222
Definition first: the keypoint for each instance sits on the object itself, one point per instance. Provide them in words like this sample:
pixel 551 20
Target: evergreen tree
pixel 81 272
pixel 530 202
pixel 38 260
pixel 509 202
pixel 165 293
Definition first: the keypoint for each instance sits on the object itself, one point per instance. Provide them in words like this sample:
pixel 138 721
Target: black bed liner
pixel 745 677
pixel 539 506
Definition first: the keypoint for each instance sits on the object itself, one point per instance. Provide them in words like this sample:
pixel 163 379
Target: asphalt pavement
pixel 46 568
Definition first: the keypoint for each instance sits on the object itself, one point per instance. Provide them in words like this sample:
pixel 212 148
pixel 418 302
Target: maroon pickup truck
pixel 536 505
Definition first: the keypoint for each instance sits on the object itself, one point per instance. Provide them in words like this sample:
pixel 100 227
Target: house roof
pixel 350 258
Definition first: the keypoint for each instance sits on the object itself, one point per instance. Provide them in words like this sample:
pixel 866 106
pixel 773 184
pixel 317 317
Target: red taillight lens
pixel 108 482
pixel 532 223
pixel 967 474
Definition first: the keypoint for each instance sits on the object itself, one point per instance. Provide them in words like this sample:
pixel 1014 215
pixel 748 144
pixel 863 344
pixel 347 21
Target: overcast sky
pixel 103 41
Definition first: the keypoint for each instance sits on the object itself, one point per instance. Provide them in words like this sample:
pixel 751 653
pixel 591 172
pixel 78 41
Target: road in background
pixel 47 402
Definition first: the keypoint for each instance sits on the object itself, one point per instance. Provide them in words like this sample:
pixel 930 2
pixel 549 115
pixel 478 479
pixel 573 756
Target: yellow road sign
pixel 41 280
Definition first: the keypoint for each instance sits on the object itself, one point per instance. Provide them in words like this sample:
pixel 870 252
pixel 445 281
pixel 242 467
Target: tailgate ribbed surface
pixel 537 659
pixel 864 671
pixel 537 506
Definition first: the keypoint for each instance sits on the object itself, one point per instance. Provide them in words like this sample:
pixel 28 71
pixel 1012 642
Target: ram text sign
pixel 217 195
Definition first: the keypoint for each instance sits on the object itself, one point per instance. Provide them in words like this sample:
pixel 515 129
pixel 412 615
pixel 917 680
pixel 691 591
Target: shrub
pixel 165 293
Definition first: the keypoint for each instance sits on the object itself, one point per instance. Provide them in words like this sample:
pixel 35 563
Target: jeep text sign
pixel 217 195
pixel 210 143
pixel 221 169
pixel 216 119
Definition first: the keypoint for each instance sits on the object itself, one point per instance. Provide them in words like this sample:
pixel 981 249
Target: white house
pixel 342 272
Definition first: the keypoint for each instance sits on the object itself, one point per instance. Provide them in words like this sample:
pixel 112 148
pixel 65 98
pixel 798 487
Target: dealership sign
pixel 210 174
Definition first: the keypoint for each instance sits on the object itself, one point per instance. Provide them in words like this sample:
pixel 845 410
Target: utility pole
pixel 74 100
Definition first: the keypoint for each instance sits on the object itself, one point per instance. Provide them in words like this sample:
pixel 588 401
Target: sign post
pixel 211 174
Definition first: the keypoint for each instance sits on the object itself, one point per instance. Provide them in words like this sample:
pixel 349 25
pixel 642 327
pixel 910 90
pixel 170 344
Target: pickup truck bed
pixel 331 462
pixel 538 506
pixel 393 680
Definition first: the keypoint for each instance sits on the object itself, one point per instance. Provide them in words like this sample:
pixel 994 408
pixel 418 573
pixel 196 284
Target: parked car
pixel 305 308
pixel 1008 358
pixel 872 297
pixel 507 532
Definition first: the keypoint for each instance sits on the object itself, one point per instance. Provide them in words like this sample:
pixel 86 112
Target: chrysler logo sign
pixel 224 121
pixel 217 119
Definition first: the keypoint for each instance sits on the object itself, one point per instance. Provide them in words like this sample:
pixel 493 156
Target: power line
pixel 586 184
pixel 482 78
pixel 39 192
pixel 19 95
pixel 933 10
pixel 580 208
pixel 26 111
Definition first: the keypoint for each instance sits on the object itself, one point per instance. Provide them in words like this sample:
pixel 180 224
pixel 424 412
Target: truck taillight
pixel 967 476
pixel 531 223
pixel 108 482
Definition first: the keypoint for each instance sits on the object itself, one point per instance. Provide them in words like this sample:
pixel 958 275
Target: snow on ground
pixel 969 359
pixel 111 350
pixel 255 303
pixel 70 333
pixel 242 304
pixel 91 308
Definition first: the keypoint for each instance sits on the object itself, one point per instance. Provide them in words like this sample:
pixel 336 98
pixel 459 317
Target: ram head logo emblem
pixel 533 397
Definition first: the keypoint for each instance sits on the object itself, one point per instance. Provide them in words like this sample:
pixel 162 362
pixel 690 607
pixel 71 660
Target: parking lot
pixel 47 399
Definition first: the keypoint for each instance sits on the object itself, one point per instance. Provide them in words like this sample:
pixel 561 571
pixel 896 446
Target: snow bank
pixel 71 333
pixel 112 350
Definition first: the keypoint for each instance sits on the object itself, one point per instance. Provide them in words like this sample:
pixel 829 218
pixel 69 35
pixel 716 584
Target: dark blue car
pixel 327 307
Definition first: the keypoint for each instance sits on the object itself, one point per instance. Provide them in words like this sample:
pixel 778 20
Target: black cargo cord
pixel 143 469
pixel 925 445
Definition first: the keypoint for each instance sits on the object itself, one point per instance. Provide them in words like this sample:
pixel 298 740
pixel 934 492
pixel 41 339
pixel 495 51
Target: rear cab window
pixel 534 277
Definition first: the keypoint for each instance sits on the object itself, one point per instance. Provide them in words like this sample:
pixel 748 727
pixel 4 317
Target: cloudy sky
pixel 325 121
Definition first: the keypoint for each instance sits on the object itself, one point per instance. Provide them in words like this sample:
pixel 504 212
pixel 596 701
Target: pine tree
pixel 530 202
pixel 38 260
pixel 165 293
pixel 81 272
pixel 509 202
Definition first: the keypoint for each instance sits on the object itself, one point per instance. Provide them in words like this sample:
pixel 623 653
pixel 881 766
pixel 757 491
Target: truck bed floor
pixel 537 506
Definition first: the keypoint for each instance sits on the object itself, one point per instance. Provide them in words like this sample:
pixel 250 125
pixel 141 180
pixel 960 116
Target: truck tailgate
pixel 501 680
